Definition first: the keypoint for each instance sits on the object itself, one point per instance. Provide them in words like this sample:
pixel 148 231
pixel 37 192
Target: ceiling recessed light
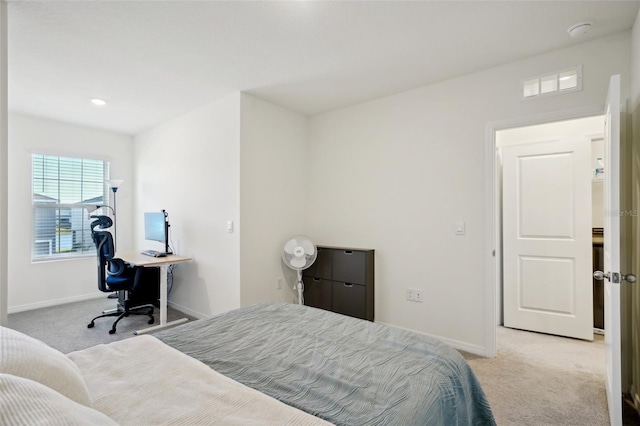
pixel 580 28
pixel 98 102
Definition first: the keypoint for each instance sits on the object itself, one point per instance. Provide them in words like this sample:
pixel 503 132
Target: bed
pixel 341 369
pixel 271 363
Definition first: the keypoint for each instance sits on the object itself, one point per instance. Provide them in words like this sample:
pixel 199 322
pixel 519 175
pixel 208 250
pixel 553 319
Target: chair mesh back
pixel 105 251
pixel 104 244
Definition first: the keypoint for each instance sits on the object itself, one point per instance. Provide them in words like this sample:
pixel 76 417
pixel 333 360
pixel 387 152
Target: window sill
pixel 50 259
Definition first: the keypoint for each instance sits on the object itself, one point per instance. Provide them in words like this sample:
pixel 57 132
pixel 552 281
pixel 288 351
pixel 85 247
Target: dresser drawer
pixel 317 293
pixel 349 299
pixel 349 266
pixel 321 268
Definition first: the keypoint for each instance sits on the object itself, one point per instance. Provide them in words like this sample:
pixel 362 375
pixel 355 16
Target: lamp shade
pixel 115 183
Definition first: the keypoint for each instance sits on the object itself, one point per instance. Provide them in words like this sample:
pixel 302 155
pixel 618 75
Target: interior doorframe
pixel 493 232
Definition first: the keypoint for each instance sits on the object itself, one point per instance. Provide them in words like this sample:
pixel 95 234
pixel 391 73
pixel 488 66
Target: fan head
pixel 299 252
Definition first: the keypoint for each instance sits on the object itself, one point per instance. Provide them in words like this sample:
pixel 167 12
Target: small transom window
pixel 569 80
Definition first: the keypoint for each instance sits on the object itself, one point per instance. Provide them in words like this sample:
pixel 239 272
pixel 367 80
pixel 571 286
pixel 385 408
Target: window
pixel 65 191
pixel 554 83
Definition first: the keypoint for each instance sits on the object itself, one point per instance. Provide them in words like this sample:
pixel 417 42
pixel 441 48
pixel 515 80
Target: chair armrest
pixel 116 267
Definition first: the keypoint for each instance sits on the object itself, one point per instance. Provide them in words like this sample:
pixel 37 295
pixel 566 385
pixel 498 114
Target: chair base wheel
pixel 91 325
pixel 151 321
pixel 112 331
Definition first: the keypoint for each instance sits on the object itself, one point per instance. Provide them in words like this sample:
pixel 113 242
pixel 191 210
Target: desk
pixel 137 259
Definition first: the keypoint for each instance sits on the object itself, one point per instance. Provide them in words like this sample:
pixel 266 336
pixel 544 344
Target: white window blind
pixel 65 191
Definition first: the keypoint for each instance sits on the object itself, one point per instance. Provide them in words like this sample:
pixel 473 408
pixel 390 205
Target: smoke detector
pixel 580 28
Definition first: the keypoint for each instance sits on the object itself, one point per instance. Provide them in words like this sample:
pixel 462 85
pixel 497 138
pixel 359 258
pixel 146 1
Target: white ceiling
pixel 156 60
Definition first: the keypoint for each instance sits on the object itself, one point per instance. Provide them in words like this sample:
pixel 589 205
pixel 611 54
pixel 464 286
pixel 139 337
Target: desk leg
pixel 163 306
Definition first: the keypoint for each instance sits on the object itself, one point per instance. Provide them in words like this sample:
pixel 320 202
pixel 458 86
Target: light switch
pixel 459 228
pixel 229 226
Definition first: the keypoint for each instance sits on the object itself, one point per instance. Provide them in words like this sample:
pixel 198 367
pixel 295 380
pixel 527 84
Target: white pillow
pixel 24 356
pixel 26 402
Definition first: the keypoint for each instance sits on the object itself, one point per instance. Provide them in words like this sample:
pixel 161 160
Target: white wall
pixel 273 176
pixel 395 174
pixel 240 159
pixel 190 167
pixel 33 285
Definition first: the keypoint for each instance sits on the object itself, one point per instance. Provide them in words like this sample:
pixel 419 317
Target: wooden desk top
pixel 138 259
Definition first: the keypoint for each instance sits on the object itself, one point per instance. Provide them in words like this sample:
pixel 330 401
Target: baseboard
pixel 54 302
pixel 463 346
pixel 97 295
pixel 184 309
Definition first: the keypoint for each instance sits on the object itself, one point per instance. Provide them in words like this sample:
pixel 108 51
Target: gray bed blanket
pixel 341 369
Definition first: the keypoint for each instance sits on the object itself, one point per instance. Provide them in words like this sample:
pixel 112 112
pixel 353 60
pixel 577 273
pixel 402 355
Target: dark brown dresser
pixel 341 280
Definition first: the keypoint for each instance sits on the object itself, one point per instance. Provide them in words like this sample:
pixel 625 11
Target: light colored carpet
pixel 539 379
pixel 64 327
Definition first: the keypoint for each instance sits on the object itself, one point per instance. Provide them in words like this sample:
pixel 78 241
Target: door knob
pixel 615 277
pixel 599 275
pixel 630 278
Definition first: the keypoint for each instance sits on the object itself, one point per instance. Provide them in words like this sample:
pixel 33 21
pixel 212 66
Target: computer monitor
pixel 156 228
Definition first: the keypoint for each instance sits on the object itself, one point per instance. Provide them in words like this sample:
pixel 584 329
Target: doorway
pixel 549 198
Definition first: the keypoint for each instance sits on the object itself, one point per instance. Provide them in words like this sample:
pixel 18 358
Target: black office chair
pixel 138 287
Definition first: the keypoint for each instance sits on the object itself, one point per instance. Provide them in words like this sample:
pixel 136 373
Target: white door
pixel 547 238
pixel 612 250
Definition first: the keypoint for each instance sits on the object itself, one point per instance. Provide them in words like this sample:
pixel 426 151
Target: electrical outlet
pixel 413 294
pixel 409 295
pixel 279 283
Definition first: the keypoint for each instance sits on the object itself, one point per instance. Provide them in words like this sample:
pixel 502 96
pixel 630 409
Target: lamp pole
pixel 115 184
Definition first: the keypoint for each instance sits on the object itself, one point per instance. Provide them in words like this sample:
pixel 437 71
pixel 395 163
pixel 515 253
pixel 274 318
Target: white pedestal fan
pixel 299 253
